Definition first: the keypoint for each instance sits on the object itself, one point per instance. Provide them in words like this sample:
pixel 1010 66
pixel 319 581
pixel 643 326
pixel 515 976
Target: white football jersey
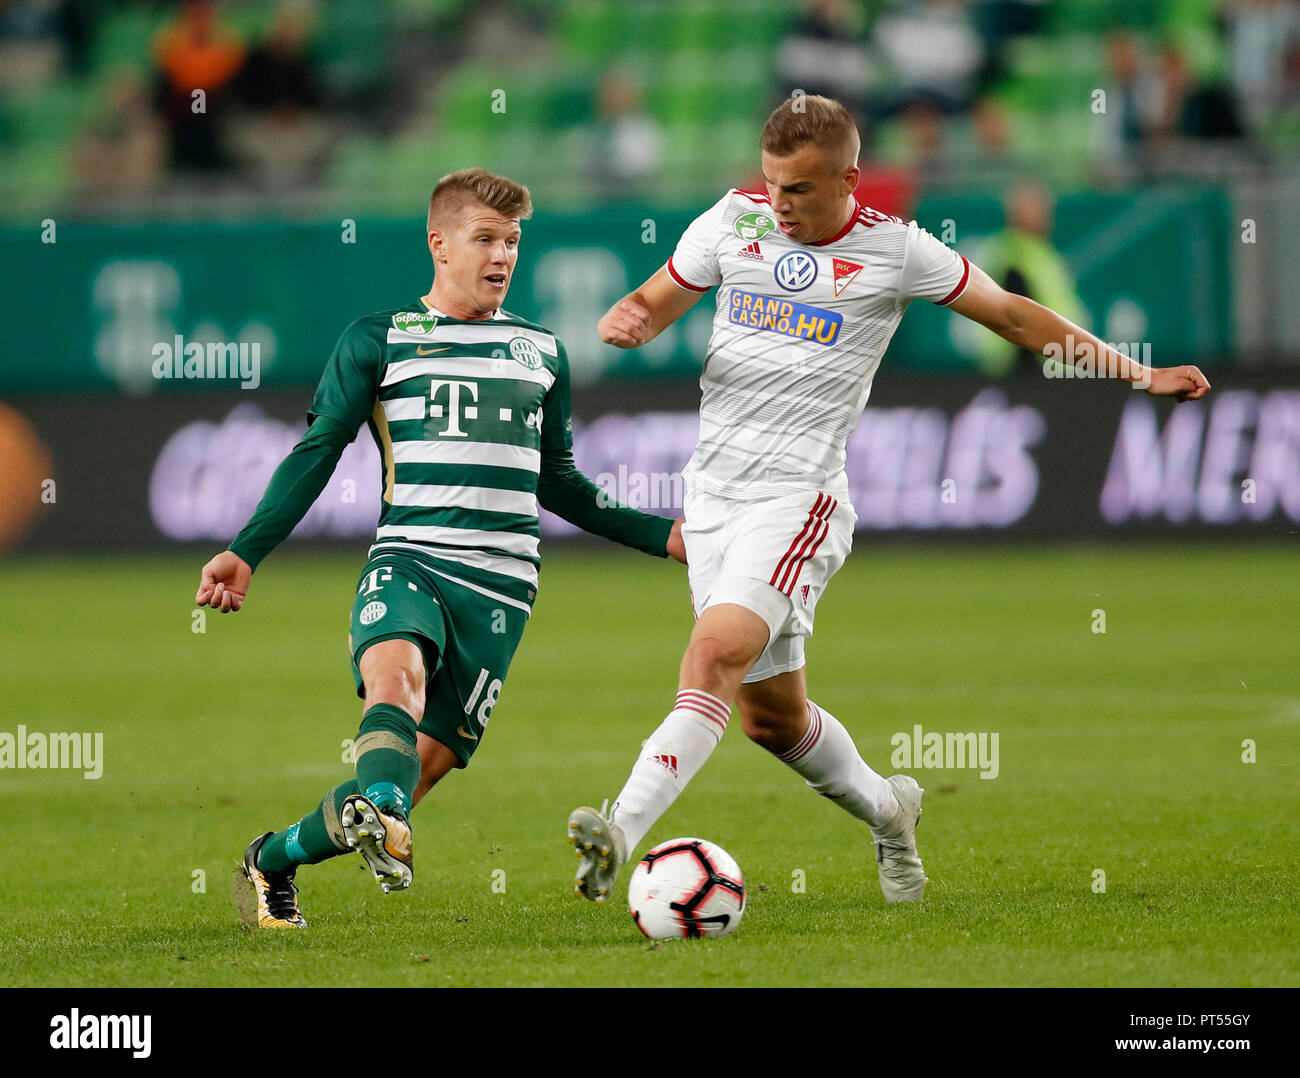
pixel 799 331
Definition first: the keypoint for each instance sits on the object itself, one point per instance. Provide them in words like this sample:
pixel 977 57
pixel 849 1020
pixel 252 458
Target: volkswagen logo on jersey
pixel 795 271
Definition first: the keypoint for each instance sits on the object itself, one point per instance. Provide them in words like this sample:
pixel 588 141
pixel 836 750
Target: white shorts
pixel 773 556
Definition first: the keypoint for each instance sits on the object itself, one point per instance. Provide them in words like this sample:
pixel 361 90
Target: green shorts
pixel 468 640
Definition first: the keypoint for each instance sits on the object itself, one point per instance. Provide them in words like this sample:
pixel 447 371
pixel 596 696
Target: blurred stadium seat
pixel 657 104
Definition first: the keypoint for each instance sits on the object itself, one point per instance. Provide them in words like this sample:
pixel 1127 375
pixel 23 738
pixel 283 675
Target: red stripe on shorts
pixel 809 548
pixel 808 525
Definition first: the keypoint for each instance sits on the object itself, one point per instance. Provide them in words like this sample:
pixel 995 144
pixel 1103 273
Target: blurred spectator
pixel 1189 107
pixel 1022 260
pixel 281 135
pixel 74 21
pixel 1291 75
pixel 935 52
pixel 627 144
pixel 993 132
pixel 826 52
pixel 121 152
pixel 925 143
pixel 984 150
pixel 916 146
pixel 30 52
pixel 1129 93
pixel 999 20
pixel 279 72
pixel 194 52
pixel 1263 35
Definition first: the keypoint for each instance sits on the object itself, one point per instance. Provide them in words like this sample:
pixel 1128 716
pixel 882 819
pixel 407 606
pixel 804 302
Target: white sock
pixel 828 760
pixel 669 760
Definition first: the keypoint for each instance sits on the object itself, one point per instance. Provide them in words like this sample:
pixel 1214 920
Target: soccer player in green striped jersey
pixel 469 406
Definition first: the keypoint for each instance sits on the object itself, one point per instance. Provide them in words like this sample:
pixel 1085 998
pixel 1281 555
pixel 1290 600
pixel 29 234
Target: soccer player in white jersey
pixel 811 286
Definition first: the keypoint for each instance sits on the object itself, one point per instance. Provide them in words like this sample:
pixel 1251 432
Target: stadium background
pixel 1132 164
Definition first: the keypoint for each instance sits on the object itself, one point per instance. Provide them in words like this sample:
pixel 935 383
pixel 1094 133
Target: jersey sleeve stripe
pixel 672 272
pixel 961 285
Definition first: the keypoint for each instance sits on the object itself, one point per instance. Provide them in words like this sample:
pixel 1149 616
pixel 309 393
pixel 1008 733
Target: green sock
pixel 316 837
pixel 388 765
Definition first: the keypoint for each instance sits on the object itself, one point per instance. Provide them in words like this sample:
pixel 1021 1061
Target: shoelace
pixel 888 854
pixel 281 893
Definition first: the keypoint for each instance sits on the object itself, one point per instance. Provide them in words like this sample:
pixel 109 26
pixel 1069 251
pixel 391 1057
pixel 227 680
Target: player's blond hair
pixel 497 193
pixel 806 118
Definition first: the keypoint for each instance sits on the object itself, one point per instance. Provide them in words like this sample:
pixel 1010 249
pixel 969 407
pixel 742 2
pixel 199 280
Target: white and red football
pixel 686 888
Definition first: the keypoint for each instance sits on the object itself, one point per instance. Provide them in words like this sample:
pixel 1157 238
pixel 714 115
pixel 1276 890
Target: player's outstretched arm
pixel 642 315
pixel 294 487
pixel 1044 332
pixel 567 492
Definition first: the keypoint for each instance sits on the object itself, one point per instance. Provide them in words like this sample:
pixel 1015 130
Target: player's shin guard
pixel 669 760
pixel 388 764
pixel 315 838
pixel 829 762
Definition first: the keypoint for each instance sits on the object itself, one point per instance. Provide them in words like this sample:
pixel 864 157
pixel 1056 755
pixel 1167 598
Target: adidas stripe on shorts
pixel 773 556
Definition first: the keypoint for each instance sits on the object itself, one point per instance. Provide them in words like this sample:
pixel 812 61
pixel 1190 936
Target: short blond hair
pixel 497 193
pixel 806 118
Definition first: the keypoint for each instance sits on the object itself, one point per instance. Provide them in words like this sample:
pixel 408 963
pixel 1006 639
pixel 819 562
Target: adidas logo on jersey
pixel 668 761
pixel 804 593
pixel 752 251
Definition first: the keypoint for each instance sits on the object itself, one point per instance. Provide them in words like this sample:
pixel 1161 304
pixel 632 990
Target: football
pixel 686 888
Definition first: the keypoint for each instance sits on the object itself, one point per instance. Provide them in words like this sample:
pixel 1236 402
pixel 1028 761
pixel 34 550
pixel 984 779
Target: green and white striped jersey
pixel 465 415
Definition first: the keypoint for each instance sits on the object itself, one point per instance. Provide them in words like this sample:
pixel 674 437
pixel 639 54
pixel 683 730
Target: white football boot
pixel 382 838
pixel 603 850
pixel 902 877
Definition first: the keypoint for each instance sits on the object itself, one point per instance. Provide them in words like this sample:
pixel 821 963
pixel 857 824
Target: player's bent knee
pixel 713 658
pixel 399 686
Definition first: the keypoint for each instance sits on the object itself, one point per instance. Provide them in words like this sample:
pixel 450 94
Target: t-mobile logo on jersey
pixel 453 410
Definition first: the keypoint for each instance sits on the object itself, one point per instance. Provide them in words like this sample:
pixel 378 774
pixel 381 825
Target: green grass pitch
pixel 1119 751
